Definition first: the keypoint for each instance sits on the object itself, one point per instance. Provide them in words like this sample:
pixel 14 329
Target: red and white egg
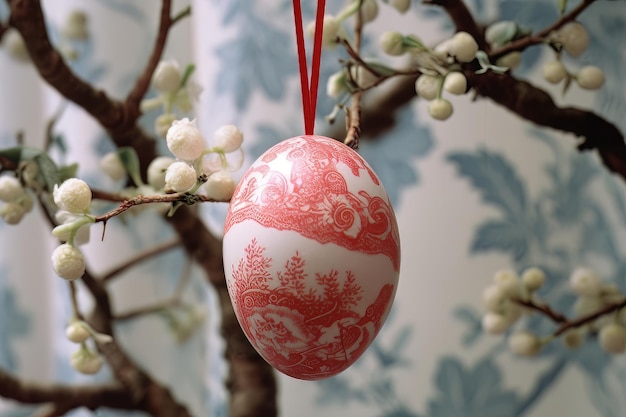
pixel 312 256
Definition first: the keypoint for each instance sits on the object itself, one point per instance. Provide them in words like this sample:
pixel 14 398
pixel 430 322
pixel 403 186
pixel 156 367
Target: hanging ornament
pixel 311 246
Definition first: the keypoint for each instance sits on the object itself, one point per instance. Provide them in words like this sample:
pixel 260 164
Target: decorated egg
pixel 311 255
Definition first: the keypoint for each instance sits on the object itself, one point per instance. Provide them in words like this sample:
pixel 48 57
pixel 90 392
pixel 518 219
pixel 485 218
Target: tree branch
pixel 90 396
pixel 537 106
pixel 141 257
pixel 353 115
pixel 539 37
pixel 133 100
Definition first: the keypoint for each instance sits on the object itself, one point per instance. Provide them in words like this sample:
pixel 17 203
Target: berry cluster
pixel 73 198
pixel 85 360
pixel 511 296
pixel 573 39
pixel 175 90
pixel 16 200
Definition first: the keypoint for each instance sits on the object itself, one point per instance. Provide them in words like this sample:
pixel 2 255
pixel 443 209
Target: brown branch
pixel 90 396
pixel 151 199
pixel 539 37
pixel 133 100
pixel 149 309
pixel 251 380
pixel 581 321
pixel 27 17
pixel 353 115
pixel 462 19
pixel 537 106
pixel 141 257
pixel 544 309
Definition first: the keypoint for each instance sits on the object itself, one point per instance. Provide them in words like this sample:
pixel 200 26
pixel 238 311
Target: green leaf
pixel 130 160
pixel 187 74
pixel 12 154
pixel 48 171
pixel 67 171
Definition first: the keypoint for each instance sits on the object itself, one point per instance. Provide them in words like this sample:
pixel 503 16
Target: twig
pixel 543 309
pixel 141 257
pixel 174 301
pixel 126 205
pixel 539 37
pixel 74 299
pixel 353 116
pixel 581 321
pixel 566 324
pixel 133 100
pixel 152 308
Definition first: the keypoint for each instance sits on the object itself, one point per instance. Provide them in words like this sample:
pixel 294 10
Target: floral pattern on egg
pixel 312 256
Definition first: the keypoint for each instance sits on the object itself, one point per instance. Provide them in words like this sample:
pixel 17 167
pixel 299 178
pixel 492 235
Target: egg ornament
pixel 311 255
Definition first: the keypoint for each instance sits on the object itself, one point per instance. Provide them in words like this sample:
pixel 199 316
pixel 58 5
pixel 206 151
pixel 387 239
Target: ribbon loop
pixel 309 89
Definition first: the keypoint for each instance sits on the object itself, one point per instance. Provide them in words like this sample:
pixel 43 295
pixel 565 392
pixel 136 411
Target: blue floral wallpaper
pixel 477 193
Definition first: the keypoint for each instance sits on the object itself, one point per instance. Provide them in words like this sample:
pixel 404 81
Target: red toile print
pixel 308 332
pixel 302 184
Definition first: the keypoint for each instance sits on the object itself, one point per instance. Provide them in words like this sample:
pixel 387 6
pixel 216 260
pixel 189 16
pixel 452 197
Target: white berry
pixel 369 10
pixel 77 332
pixel 336 84
pixel 362 76
pixel 590 77
pixel 574 38
pixel 184 139
pixel 180 177
pixel 401 5
pixel 12 213
pixel 510 60
pixel 111 164
pixel 220 186
pixel 495 323
pixel 331 27
pixel 10 189
pixel 227 138
pixel 463 47
pixel 585 282
pixel 392 43
pixel 163 123
pixel 75 26
pixel 440 109
pixel 573 338
pixel 554 72
pixel 74 195
pixel 524 343
pixel 86 361
pixel 455 83
pixel 156 171
pixel 15 46
pixel 509 282
pixel 68 262
pixel 427 86
pixel 612 338
pixel 167 76
pixel 62 232
pixel 493 297
pixel 533 279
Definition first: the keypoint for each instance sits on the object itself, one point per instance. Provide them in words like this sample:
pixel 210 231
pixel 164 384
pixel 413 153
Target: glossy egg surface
pixel 312 256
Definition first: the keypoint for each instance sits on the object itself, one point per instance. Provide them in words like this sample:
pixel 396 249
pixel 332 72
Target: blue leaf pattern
pixel 259 57
pixel 14 323
pixel 474 392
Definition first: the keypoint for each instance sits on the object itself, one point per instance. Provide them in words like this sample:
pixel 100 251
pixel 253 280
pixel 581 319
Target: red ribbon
pixel 309 90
